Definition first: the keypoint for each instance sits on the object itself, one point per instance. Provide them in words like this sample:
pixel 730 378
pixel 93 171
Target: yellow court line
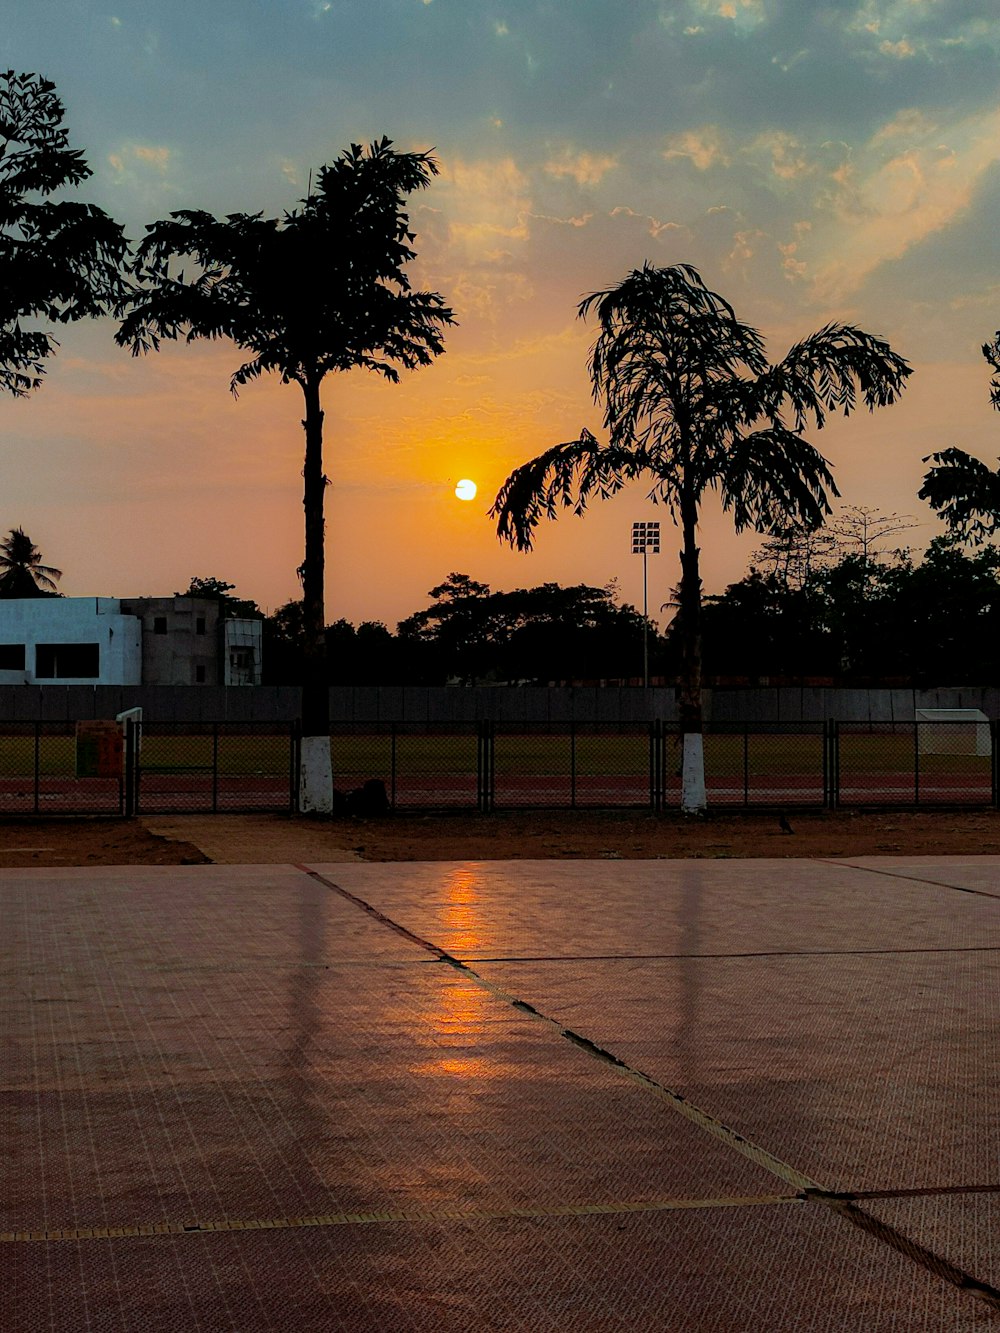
pixel 395 1215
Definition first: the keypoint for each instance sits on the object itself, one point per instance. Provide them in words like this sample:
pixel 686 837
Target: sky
pixel 816 160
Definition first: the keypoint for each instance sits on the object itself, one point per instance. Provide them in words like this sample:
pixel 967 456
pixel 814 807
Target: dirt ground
pixel 508 835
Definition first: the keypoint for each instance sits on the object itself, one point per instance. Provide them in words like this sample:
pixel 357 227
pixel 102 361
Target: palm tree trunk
pixel 315 772
pixel 693 797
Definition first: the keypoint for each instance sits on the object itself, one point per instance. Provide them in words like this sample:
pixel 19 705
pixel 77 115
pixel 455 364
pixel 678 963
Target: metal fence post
pixel 392 766
pixel 131 767
pixel 491 765
pixel 38 764
pixel 572 765
pixel 834 726
pixel 293 767
pixel 916 763
pixel 215 768
pixel 995 762
pixel 480 766
pixel 746 763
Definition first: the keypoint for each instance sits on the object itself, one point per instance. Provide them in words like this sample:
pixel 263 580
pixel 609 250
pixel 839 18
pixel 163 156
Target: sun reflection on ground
pixel 464 1006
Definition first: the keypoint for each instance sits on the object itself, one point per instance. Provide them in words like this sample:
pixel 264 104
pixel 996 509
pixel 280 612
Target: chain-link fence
pixel 914 763
pixel 61 768
pixel 773 764
pixel 104 768
pixel 574 765
pixel 214 766
pixel 418 765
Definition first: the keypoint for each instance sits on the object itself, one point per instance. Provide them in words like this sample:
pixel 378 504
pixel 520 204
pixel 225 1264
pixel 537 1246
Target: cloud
pixel 901 49
pixel 580 221
pixel 130 156
pixel 703 146
pixel 743 12
pixel 473 242
pixel 654 226
pixel 585 168
pixel 890 204
pixel 789 159
pixel 483 201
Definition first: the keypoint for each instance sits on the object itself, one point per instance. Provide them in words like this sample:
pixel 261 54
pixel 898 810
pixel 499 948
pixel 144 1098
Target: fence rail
pixel 93 768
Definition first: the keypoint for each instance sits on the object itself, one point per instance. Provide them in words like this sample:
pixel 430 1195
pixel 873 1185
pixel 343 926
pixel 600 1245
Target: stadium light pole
pixel 645 539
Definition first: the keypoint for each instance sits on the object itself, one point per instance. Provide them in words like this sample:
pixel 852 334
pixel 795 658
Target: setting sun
pixel 466 490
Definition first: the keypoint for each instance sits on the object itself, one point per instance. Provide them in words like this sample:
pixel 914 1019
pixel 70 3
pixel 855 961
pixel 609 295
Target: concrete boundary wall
pixel 419 704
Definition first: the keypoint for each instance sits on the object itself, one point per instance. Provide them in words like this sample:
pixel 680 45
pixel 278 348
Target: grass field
pixel 733 757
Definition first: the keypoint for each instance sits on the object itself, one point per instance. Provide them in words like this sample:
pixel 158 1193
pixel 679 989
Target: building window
pixel 159 624
pixel 199 675
pixel 72 661
pixel 11 656
pixel 199 625
pixel 241 659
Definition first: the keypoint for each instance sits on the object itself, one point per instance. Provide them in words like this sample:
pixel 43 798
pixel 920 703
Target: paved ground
pixel 756 1095
pixel 258 839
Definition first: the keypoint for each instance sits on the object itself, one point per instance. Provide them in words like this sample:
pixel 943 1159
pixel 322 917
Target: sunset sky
pixel 815 159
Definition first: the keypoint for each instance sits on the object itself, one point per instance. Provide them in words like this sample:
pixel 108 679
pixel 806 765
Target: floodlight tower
pixel 645 539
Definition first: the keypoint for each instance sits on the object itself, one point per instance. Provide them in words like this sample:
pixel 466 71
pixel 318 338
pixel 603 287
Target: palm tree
pixel 964 491
pixel 321 289
pixel 60 260
pixel 691 401
pixel 23 574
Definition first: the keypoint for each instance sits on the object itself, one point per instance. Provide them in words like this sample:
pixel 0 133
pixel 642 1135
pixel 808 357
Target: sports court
pixel 683 1095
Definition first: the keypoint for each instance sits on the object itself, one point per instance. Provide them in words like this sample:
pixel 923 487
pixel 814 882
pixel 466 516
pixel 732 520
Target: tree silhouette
pixel 964 491
pixel 22 573
pixel 691 401
pixel 321 289
pixel 59 261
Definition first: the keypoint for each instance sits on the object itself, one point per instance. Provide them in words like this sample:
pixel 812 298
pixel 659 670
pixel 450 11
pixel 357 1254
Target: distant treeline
pixel 802 612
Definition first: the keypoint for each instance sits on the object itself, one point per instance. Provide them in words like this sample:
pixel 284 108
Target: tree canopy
pixel 218 590
pixel 964 491
pixel 60 260
pixel 928 622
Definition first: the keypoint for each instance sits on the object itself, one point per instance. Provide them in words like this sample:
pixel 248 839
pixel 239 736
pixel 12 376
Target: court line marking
pixel 844 1208
pixel 412 1215
pixel 760 953
pixel 913 879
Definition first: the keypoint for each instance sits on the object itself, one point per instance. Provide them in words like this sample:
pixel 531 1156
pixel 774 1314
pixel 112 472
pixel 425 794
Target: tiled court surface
pixel 380 1097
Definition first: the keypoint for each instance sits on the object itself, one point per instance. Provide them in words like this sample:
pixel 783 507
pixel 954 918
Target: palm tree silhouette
pixel 691 401
pixel 22 573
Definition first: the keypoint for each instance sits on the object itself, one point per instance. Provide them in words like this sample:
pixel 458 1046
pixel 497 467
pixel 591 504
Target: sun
pixel 466 489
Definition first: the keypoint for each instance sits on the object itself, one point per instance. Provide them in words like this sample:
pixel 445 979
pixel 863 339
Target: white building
pixel 68 641
pixel 125 641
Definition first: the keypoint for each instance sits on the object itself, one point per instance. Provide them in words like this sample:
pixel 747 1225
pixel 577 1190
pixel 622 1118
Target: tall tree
pixel 60 260
pixel 321 289
pixel 22 573
pixel 691 402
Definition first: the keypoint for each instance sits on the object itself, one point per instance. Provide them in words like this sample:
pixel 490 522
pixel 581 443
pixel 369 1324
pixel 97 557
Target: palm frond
pixel 773 478
pixel 566 476
pixel 991 351
pixel 827 372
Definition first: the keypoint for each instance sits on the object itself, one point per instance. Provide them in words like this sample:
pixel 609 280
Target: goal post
pixel 953 731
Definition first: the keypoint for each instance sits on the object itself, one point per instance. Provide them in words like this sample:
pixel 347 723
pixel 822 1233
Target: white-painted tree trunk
pixel 315 776
pixel 694 799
